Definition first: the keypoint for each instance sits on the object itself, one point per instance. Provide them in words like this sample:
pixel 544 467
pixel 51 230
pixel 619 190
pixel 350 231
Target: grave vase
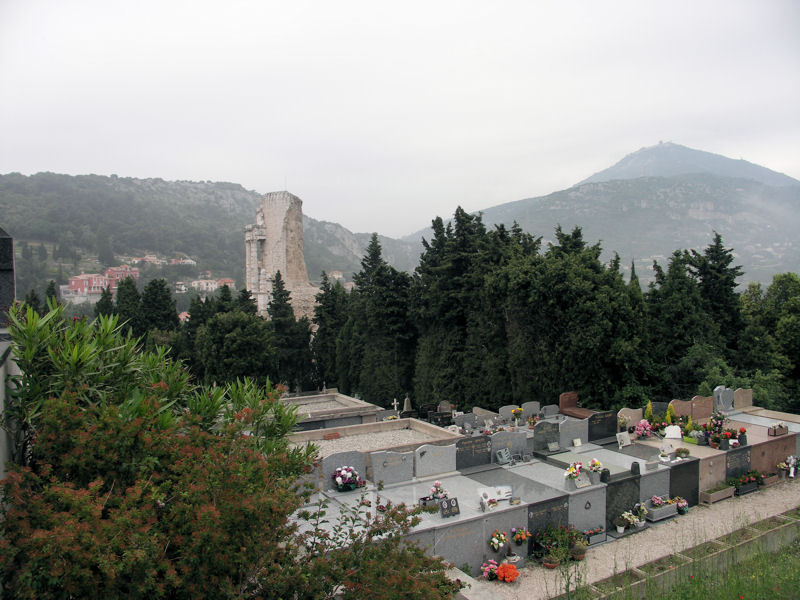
pixel 569 484
pixel 743 439
pixel 724 444
pixel 620 529
pixel 594 477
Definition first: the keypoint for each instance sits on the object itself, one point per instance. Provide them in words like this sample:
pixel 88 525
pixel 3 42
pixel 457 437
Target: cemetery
pixel 528 471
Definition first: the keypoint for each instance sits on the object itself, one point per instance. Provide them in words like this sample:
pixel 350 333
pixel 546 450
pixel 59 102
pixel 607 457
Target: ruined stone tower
pixel 275 243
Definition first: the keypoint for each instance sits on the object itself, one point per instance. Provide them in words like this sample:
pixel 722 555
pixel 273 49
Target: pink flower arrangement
pixel 657 501
pixel 643 428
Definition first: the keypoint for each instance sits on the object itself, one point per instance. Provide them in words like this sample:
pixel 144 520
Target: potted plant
pixel 742 436
pixel 532 421
pixel 578 551
pixel 593 536
pixel 682 452
pixel 714 440
pixel 489 570
pixel 347 479
pixel 498 540
pixel 659 509
pixel 595 466
pixel 621 522
pixel 783 469
pixel 506 572
pixel 639 513
pixel 550 561
pixel 437 493
pixel 681 505
pixel 571 473
pixel 643 428
pixel 745 484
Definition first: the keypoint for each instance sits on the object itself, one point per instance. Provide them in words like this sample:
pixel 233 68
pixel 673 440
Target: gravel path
pixel 699 525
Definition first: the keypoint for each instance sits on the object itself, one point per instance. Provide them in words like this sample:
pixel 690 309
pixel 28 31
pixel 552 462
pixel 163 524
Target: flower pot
pixel 657 513
pixel 711 497
pixel 639 524
pixel 620 529
pixel 550 565
pixel 683 511
pixel 724 444
pixel 743 439
pixel 782 474
pixel 569 484
pixel 594 477
pixel 346 487
pixel 747 488
pixel 428 502
pixel 714 445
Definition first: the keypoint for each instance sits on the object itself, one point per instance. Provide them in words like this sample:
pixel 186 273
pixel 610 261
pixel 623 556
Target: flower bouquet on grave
pixel 489 570
pixel 657 501
pixel 520 536
pixel 498 540
pixel 573 471
pixel 639 513
pixel 643 428
pixel 742 436
pixel 507 572
pixel 517 413
pixel 532 421
pixel 346 479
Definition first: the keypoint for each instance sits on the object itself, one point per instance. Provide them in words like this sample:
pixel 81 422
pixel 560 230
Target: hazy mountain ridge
pixel 669 159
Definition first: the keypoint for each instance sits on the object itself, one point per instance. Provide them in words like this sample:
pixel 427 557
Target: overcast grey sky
pixel 381 116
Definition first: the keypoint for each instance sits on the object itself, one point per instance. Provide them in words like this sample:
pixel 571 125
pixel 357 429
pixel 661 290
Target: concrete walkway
pixel 699 525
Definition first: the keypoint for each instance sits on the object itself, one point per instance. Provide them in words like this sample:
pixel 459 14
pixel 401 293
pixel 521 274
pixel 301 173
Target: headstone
pixel 444 406
pixel 440 419
pixel 550 410
pixel 631 415
pixel 684 480
pixel 702 407
pixel 544 434
pixel 568 400
pixel 602 426
pixel 572 429
pixel 425 410
pixel 549 512
pixel 514 441
pixel 472 452
pixel 742 398
pixel 531 409
pixel 342 459
pixel 466 419
pixel 432 460
pixel 682 408
pixel 723 398
pixel 737 461
pixel 505 412
pixel 623 439
pixel 673 432
pixel 659 408
pixel 392 467
pixel 621 495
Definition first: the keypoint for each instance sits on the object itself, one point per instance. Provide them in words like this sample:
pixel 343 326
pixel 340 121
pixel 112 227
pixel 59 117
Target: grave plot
pixel 654 475
pixel 621 495
pixel 766 451
pixel 325 411
pixel 586 505
pixel 546 438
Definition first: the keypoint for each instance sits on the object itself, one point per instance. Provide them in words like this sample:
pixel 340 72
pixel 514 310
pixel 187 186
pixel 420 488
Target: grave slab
pixel 546 433
pixel 473 452
pixel 571 429
pixel 603 427
pixel 514 441
pixel 354 459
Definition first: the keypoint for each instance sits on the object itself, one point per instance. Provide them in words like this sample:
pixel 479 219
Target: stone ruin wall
pixel 275 243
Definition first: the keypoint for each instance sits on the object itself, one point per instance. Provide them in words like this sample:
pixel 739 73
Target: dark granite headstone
pixel 684 480
pixel 440 419
pixel 550 512
pixel 408 414
pixel 621 495
pixel 544 434
pixel 660 408
pixel 474 451
pixel 603 425
pixel 425 409
pixel 737 461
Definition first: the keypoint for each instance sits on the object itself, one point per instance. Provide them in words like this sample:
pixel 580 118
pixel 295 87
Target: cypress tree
pixel 129 307
pixel 158 306
pixel 105 305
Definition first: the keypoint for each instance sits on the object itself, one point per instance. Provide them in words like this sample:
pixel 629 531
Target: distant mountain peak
pixel 667 159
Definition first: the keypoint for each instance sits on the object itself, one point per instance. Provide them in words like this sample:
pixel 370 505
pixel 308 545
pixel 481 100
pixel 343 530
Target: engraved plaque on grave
pixel 602 425
pixel 448 507
pixel 550 512
pixel 737 461
pixel 474 451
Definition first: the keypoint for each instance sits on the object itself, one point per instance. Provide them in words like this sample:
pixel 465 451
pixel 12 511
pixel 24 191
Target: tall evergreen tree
pixel 51 293
pixel 245 302
pixel 42 253
pixel 716 277
pixel 105 305
pixel 129 307
pixel 292 338
pixel 330 315
pixel 224 299
pixel 158 306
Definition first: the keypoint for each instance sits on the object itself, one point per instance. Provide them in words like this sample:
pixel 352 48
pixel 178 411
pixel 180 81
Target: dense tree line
pixel 490 317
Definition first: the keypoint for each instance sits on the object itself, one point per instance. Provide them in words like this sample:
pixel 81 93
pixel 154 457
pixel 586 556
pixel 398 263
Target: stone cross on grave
pixel 394 404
